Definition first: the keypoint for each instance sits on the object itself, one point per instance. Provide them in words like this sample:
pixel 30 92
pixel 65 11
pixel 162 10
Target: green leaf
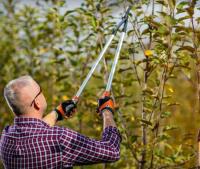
pixel 182 4
pixel 187 48
pixel 69 12
pixel 94 23
pixel 168 127
pixel 173 104
pixel 146 122
pixel 166 114
pixel 183 18
pixel 164 137
pixel 161 2
pixel 134 138
pixel 163 30
pixel 190 11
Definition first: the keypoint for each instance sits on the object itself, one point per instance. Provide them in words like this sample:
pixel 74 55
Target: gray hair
pixel 12 93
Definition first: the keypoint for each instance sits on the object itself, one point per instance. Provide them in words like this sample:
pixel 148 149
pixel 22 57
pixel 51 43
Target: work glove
pixel 65 109
pixel 105 103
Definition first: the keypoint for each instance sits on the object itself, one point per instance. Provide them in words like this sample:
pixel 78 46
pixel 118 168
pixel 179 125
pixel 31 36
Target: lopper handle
pixel 106 94
pixel 75 99
pixel 69 108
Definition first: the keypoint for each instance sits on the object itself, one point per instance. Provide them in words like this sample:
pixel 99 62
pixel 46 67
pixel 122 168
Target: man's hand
pixel 65 109
pixel 105 103
pixel 106 109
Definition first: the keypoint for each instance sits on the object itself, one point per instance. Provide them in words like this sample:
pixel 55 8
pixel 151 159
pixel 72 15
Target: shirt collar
pixel 29 121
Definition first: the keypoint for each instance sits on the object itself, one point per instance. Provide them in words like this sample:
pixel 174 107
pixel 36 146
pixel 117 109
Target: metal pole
pixel 108 87
pixel 110 79
pixel 94 67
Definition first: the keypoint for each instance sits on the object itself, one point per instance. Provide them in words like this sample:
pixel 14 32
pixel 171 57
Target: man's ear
pixel 36 106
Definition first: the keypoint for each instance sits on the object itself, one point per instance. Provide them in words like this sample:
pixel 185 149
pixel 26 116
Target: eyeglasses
pixel 40 91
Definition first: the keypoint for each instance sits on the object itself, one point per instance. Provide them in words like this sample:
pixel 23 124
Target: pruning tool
pixel 123 22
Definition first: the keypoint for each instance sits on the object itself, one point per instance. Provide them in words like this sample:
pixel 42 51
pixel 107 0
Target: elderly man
pixel 32 142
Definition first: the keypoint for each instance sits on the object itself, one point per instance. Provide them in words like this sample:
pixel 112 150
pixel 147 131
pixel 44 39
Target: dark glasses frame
pixel 40 91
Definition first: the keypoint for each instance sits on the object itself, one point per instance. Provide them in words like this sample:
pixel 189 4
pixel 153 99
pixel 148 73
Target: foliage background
pixel 156 86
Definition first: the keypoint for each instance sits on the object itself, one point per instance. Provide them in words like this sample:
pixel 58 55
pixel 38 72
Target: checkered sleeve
pixel 78 149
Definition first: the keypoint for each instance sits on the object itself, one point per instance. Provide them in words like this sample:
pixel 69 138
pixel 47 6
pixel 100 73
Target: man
pixel 33 143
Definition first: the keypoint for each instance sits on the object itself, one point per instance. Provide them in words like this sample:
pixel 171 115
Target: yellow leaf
pixel 98 128
pixel 148 53
pixel 55 98
pixel 65 97
pixel 92 102
pixel 171 90
pixel 43 50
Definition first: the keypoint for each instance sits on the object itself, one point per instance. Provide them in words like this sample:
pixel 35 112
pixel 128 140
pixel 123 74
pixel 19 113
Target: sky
pixel 72 4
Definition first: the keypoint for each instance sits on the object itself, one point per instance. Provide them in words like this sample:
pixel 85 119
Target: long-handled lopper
pixel 123 22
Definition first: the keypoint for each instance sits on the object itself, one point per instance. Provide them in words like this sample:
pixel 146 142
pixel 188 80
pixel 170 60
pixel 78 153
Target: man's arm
pixel 108 119
pixel 51 118
pixel 78 149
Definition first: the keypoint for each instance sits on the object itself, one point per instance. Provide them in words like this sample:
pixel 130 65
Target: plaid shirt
pixel 32 144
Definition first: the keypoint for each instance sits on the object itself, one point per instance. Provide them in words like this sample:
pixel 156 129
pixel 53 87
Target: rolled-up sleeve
pixel 78 149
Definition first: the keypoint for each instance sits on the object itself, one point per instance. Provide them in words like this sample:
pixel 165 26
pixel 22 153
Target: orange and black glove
pixel 65 109
pixel 105 103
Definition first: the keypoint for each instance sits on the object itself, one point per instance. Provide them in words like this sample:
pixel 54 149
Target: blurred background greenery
pixel 156 86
